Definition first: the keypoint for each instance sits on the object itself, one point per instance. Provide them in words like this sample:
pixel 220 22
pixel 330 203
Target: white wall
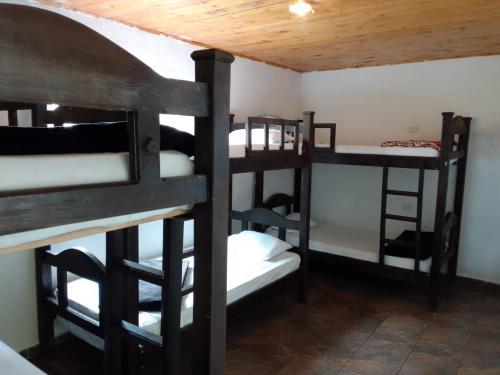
pixel 371 105
pixel 256 88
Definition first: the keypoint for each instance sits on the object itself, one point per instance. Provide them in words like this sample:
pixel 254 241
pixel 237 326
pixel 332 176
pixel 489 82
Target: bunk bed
pixel 93 73
pixel 415 256
pixel 269 144
pixel 245 279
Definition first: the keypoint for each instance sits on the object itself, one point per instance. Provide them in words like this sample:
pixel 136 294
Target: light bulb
pixel 301 8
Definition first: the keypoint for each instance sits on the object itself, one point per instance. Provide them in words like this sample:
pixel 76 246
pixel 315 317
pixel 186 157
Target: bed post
pixel 258 195
pixel 463 145
pixel 440 214
pixel 305 205
pixel 171 294
pixel 297 182
pixel 131 296
pixel 211 218
pixel 113 310
pixel 43 274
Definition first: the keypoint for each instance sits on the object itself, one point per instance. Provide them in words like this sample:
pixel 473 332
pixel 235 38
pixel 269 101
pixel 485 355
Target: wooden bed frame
pixel 454 149
pixel 92 72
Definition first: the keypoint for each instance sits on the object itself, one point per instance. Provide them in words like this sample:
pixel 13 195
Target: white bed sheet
pixel 351 243
pixel 238 151
pixel 243 278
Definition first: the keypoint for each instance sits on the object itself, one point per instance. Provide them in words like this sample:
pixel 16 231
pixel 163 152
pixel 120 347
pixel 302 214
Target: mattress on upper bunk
pixel 238 151
pixel 351 243
pixel 243 278
pixel 43 171
pixel 39 171
pixel 427 152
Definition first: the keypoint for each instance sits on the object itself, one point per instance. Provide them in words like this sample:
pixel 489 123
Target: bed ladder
pixel 419 194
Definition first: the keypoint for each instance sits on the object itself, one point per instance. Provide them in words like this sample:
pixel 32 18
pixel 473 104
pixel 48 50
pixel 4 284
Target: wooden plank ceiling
pixel 340 34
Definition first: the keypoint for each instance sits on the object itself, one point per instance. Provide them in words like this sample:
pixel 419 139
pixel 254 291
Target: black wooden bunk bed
pixel 93 73
pixel 440 247
pixel 294 154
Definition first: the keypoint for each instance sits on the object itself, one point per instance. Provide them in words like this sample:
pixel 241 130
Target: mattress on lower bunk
pixel 238 151
pixel 40 171
pixel 243 278
pixel 351 243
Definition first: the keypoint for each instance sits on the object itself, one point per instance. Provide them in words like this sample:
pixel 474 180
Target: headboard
pixel 48 58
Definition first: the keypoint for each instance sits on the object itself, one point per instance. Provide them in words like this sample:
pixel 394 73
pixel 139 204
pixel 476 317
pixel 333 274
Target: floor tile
pixel 314 365
pixel 444 340
pixel 378 356
pixel 428 364
pixel 478 371
pixel 482 351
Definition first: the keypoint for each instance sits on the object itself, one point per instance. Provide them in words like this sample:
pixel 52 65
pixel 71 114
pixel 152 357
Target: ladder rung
pixel 402 192
pixel 400 243
pixel 401 218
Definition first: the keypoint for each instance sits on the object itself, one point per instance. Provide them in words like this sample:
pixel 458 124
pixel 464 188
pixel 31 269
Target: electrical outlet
pixel 407 207
pixel 413 129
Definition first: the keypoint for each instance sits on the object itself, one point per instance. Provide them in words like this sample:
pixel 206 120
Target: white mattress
pixel 238 151
pixel 379 150
pixel 243 278
pixel 351 243
pixel 13 364
pixel 39 171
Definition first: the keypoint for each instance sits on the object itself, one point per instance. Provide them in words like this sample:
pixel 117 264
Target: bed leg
pixel 43 290
pixel 114 348
pixel 463 144
pixel 305 209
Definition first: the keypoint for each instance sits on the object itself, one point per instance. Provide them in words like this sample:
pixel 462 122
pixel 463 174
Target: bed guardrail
pixel 267 123
pixel 79 262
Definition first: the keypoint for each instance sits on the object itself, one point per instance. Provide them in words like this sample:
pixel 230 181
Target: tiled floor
pixel 352 324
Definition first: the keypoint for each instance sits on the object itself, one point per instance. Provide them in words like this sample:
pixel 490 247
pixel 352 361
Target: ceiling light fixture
pixel 301 8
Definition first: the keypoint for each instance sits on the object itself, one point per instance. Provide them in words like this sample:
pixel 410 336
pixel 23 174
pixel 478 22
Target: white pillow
pixel 238 137
pixel 252 246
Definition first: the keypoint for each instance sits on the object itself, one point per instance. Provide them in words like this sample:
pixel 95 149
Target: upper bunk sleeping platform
pixel 412 154
pixel 269 143
pixel 89 186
